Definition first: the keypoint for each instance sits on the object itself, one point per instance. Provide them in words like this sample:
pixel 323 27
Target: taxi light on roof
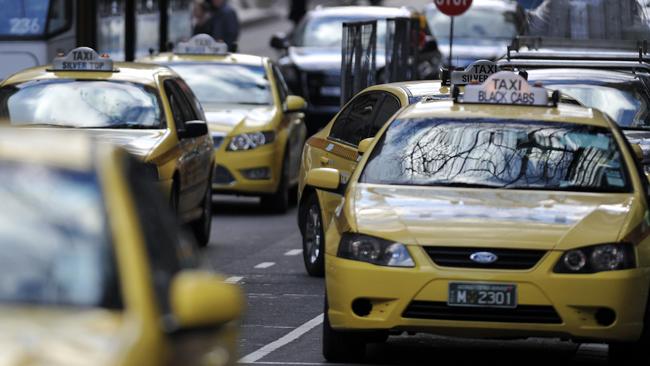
pixel 477 72
pixel 201 44
pixel 82 59
pixel 506 87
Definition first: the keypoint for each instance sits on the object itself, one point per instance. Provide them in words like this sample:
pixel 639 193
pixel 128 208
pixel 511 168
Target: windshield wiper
pixel 126 126
pixel 463 185
pixel 48 125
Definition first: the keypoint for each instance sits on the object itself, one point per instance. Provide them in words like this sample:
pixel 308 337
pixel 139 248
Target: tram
pixel 33 32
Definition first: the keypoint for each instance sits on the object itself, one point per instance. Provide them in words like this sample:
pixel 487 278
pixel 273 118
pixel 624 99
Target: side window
pixel 283 89
pixel 386 109
pixel 174 102
pixel 195 106
pixel 354 123
pixel 167 252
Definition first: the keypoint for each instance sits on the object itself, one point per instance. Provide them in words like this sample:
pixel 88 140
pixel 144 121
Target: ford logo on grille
pixel 484 257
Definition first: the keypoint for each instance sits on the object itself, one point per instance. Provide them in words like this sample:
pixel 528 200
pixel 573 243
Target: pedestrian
pixel 201 17
pixel 223 24
pixel 298 9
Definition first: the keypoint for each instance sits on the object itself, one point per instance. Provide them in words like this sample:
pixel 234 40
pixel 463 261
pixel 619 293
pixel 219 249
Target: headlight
pixel 249 141
pixel 599 258
pixel 375 251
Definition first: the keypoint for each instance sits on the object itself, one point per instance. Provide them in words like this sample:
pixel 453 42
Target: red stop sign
pixel 453 7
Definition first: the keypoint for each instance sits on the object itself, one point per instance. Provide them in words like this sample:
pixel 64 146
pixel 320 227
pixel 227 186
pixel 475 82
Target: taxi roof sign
pixel 82 59
pixel 506 87
pixel 479 71
pixel 201 44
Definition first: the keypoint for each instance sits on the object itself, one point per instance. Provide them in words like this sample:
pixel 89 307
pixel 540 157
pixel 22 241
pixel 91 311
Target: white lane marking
pixel 292 363
pixel 234 279
pixel 283 341
pixel 265 326
pixel 293 252
pixel 265 265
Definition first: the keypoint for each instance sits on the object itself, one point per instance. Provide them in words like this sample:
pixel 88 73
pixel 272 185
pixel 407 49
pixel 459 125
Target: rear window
pixel 489 153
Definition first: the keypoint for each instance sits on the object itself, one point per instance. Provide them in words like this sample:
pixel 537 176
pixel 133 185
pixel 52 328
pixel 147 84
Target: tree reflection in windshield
pixel 499 154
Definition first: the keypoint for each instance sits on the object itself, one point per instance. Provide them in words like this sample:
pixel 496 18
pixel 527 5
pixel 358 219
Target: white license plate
pixel 488 295
pixel 330 91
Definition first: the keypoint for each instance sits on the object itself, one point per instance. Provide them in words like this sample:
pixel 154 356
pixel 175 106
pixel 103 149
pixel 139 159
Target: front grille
pixel 507 258
pixel 521 314
pixel 222 176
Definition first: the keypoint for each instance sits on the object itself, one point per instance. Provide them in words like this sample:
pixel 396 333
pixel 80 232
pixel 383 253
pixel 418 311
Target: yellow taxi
pixel 92 268
pixel 149 110
pixel 500 214
pixel 258 129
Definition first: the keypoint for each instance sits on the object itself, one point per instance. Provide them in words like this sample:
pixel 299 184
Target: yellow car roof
pixel 231 58
pixel 413 88
pixel 139 73
pixel 70 150
pixel 562 113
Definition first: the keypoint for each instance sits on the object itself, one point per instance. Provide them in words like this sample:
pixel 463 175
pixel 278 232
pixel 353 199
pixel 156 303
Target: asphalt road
pixel 282 325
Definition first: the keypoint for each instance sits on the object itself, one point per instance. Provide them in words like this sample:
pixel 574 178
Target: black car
pixel 311 55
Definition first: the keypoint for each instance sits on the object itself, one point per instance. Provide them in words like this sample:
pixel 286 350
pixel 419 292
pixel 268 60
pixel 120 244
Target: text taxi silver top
pixel 201 44
pixel 479 71
pixel 83 59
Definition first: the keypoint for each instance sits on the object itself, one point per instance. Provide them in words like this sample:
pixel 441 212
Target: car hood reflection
pixel 489 218
pixel 34 336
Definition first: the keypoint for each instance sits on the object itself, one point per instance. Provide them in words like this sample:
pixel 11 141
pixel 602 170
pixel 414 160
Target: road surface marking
pixel 234 279
pixel 293 363
pixel 265 265
pixel 293 252
pixel 283 341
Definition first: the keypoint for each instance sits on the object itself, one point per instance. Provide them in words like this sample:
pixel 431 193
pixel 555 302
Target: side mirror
pixel 295 103
pixel 279 41
pixel 326 179
pixel 202 299
pixel 364 145
pixel 638 152
pixel 193 129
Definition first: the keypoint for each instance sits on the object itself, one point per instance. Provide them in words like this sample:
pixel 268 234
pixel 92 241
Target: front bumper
pixel 230 166
pixel 575 299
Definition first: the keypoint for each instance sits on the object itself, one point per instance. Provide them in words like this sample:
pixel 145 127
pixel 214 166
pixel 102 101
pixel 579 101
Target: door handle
pixel 324 161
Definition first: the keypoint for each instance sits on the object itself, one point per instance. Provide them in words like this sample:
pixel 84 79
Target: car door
pixel 192 166
pixel 167 253
pixel 361 119
pixel 294 122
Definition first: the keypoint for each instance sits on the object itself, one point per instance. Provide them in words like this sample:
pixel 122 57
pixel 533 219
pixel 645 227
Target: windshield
pixel 476 23
pixel 214 83
pixel 327 32
pixel 29 18
pixel 497 154
pixel 82 104
pixel 67 260
pixel 622 102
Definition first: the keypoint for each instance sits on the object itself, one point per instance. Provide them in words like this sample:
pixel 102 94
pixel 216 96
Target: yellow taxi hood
pixel 486 217
pixel 137 142
pixel 225 118
pixel 39 336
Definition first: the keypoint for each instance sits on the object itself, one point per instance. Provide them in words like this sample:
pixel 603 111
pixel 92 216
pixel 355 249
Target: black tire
pixel 202 227
pixel 278 202
pixel 313 237
pixel 339 346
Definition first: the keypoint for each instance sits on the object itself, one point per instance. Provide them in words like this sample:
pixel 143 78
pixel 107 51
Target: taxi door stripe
pixel 337 149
